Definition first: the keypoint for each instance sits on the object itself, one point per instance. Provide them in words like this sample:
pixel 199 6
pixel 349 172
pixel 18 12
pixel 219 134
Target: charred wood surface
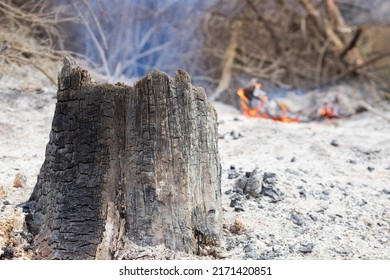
pixel 127 163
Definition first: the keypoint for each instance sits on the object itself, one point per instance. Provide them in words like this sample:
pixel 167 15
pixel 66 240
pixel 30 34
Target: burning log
pixel 255 103
pixel 333 105
pixel 252 100
pixel 337 102
pixel 127 164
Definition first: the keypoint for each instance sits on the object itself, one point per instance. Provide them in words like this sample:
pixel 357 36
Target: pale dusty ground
pixel 344 208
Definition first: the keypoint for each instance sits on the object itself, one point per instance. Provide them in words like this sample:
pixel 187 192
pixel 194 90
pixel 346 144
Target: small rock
pixel 326 192
pixel 297 218
pixel 368 222
pixel 362 202
pixel 230 247
pixel 238 192
pixel 302 193
pixel 275 194
pixel 334 143
pixel 343 252
pixel 232 174
pixel 269 181
pixel 313 216
pixel 273 254
pixel 292 171
pixel 235 134
pixel 386 191
pixel 8 253
pixel 228 192
pixel 352 161
pixel 6 202
pixel 248 248
pixel 370 168
pixel 234 202
pixel 322 210
pixel 293 159
pixel 239 208
pixel 306 249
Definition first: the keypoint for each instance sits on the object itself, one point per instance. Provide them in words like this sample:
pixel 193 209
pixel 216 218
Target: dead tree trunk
pixel 136 163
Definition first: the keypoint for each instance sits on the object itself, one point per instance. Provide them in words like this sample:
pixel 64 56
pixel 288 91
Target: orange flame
pixel 259 111
pixel 244 102
pixel 285 118
pixel 327 112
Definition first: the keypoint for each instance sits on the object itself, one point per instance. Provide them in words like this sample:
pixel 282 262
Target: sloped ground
pixel 333 179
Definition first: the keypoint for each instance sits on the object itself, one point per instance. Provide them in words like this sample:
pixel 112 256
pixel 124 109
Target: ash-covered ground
pixel 321 190
pixel 327 186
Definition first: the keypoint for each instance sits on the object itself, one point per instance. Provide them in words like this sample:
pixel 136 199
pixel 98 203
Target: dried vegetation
pixel 301 43
pixel 30 36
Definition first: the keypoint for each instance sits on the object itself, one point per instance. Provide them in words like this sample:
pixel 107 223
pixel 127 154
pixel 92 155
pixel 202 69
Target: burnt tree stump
pixel 136 163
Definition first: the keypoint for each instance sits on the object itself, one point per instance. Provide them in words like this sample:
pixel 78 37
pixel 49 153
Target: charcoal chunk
pixel 250 184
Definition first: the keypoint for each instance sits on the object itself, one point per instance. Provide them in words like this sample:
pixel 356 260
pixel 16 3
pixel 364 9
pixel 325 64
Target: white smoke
pixel 127 38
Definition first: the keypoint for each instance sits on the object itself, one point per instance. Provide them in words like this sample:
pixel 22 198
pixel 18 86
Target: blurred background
pixel 287 45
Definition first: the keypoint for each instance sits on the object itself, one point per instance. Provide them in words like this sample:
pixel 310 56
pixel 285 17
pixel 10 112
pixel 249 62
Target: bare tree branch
pixel 93 37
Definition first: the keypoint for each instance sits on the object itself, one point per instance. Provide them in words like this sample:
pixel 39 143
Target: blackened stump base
pixel 124 163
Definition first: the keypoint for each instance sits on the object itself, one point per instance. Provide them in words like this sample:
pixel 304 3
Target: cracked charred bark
pixel 127 164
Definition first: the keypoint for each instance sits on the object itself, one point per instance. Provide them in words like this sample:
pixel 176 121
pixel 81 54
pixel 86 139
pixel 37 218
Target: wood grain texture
pixel 136 163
